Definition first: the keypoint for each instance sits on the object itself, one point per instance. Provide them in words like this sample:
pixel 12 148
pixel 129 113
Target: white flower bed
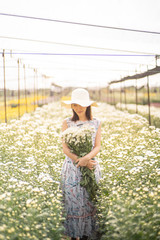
pixel 130 188
pixel 30 163
pixel 143 110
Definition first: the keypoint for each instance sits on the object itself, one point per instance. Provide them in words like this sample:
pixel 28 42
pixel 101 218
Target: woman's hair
pixel 88 114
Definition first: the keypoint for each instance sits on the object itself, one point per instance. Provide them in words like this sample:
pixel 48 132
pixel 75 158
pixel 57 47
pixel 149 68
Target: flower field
pixel 12 107
pixel 31 159
pixel 130 188
pixel 30 164
pixel 143 110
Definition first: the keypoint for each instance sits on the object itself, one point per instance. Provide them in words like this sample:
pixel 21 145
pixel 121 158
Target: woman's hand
pixel 82 162
pixel 91 164
pixel 86 162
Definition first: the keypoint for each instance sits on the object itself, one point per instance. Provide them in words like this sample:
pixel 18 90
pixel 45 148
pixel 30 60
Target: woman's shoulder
pixel 68 121
pixel 96 121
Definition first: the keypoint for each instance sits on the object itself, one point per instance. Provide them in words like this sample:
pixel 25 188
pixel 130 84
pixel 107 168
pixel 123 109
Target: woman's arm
pixel 83 161
pixel 66 150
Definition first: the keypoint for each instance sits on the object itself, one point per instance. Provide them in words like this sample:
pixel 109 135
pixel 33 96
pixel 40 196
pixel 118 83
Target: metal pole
pixel 34 89
pixel 156 57
pixel 120 98
pixel 144 95
pixel 42 88
pixel 11 53
pixel 111 95
pixel 25 88
pixel 125 96
pixel 107 93
pixel 115 96
pixel 136 97
pixel 43 94
pixel 114 103
pixel 45 79
pixel 37 85
pixel 5 105
pixel 99 94
pixel 149 112
pixel 19 113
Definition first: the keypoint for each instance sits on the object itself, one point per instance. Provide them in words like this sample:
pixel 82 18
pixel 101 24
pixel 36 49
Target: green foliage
pixel 79 140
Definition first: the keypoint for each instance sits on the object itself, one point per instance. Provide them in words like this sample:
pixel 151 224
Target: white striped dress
pixel 80 212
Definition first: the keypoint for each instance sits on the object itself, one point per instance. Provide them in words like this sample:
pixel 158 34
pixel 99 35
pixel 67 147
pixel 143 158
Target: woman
pixel 80 211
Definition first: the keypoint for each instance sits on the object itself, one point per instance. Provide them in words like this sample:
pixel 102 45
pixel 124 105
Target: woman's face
pixel 81 111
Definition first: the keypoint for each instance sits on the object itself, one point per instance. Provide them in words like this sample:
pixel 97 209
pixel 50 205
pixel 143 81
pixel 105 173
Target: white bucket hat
pixel 79 96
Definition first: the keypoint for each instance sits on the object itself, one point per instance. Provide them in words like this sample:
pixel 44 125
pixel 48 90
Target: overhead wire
pixel 104 60
pixel 57 68
pixel 78 23
pixel 141 54
pixel 74 45
pixel 101 59
pixel 80 54
pixel 83 46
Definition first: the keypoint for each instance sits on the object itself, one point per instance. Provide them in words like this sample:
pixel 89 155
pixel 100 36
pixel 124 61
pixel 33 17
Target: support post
pixel 19 113
pixel 111 96
pixel 43 88
pixel 120 97
pixel 25 88
pixel 37 85
pixel 114 102
pixel 125 96
pixel 99 93
pixel 136 97
pixel 108 94
pixel 4 75
pixel 148 93
pixel 34 89
pixel 45 79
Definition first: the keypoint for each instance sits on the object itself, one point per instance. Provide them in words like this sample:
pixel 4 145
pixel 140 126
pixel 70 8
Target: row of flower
pixel 28 104
pixel 130 188
pixel 144 111
pixel 30 166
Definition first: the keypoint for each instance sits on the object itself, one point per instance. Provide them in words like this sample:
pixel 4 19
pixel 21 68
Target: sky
pixel 68 54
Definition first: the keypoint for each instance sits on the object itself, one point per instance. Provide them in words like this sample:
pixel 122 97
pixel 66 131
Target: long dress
pixel 80 211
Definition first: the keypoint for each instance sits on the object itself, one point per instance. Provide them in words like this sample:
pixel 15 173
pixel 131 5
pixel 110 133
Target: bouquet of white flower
pixel 79 141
